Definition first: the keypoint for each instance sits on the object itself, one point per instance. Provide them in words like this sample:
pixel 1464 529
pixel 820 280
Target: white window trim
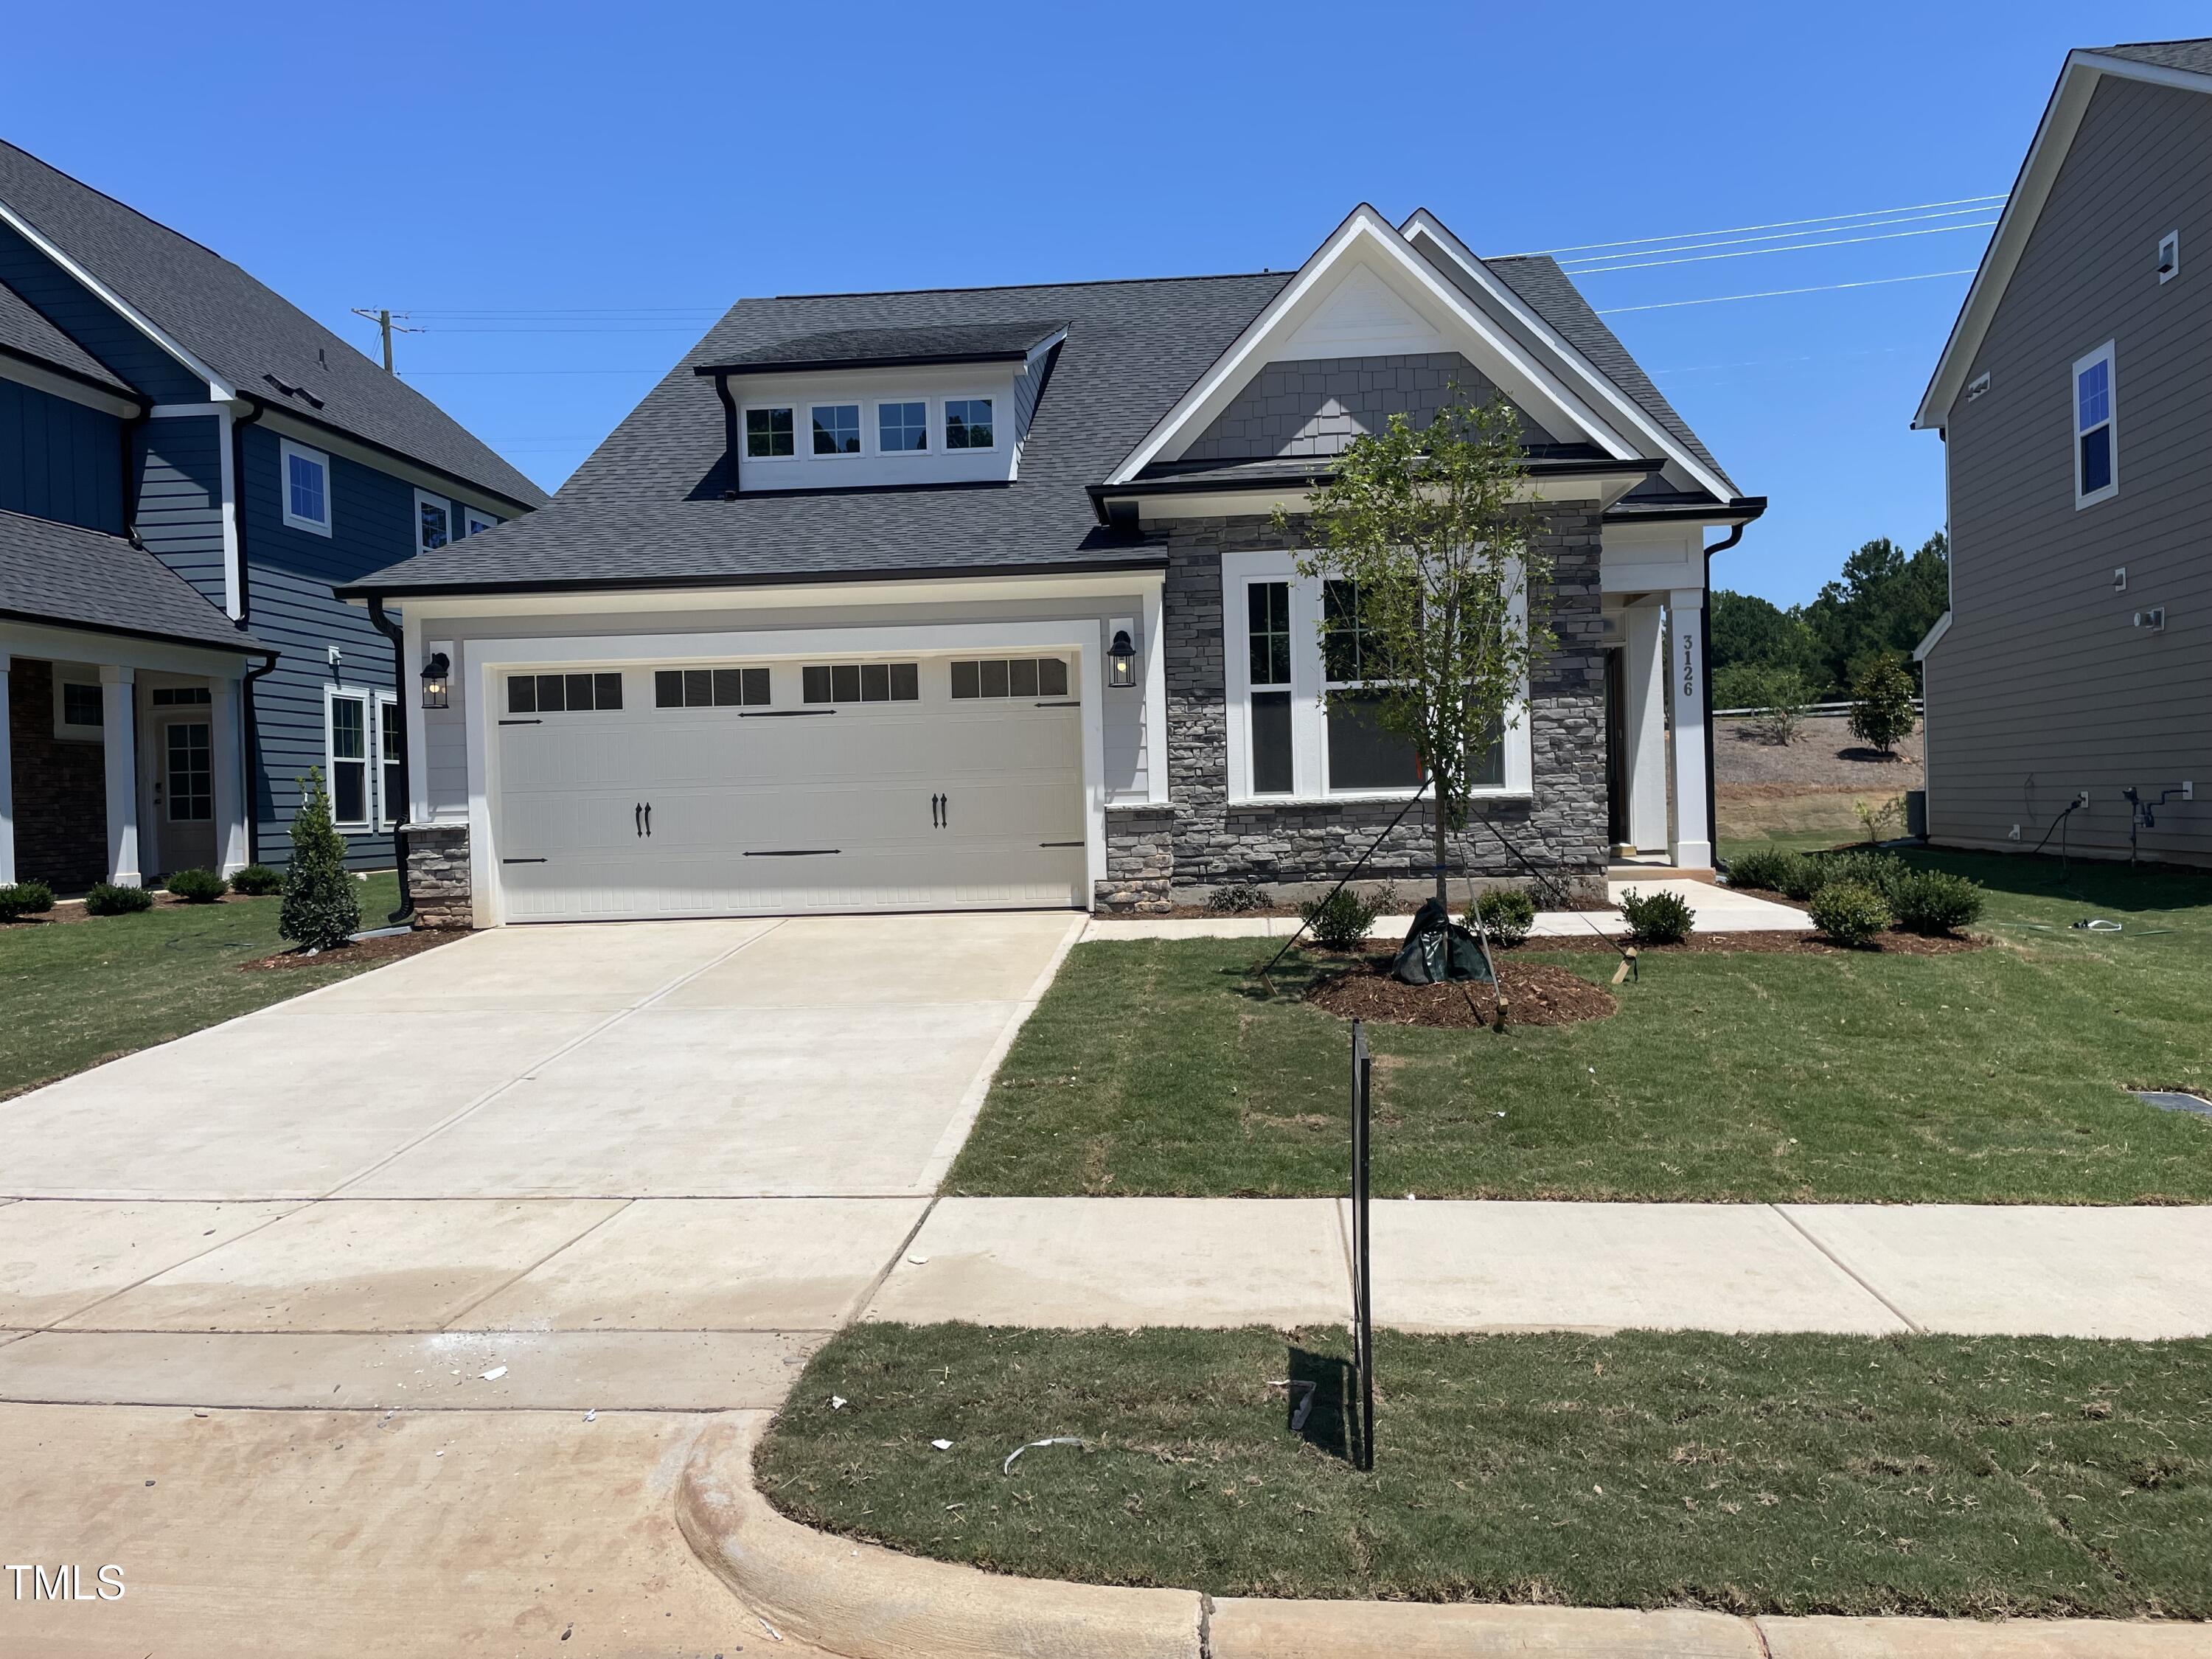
pixel 874 435
pixel 860 408
pixel 63 730
pixel 744 441
pixel 2167 272
pixel 944 417
pixel 286 449
pixel 2103 355
pixel 423 498
pixel 387 715
pixel 1308 720
pixel 372 760
pixel 475 522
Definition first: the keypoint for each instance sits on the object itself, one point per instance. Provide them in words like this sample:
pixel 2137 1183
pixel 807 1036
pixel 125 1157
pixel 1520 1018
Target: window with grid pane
pixel 555 694
pixel 391 797
pixel 1012 677
pixel 710 688
pixel 190 772
pixel 349 755
pixel 967 423
pixel 768 433
pixel 1363 753
pixel 836 429
pixel 857 681
pixel 900 428
pixel 1268 620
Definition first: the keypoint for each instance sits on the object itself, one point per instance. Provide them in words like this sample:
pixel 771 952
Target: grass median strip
pixel 1160 1067
pixel 1797 1474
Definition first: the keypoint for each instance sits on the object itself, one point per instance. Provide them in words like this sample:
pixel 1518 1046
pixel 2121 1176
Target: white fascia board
pixel 1257 501
pixel 1090 585
pixel 217 386
pixel 2046 153
pixel 59 642
pixel 1364 228
pixel 1626 409
pixel 287 425
pixel 1934 637
pixel 57 384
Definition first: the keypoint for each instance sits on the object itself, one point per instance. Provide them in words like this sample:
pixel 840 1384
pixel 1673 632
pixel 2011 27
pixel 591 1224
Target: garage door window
pixel 710 688
pixel 1015 676
pixel 861 681
pixel 555 694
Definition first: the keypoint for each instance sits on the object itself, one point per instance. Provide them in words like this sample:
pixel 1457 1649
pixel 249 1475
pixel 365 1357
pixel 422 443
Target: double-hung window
pixel 345 736
pixel 391 804
pixel 2096 428
pixel 1306 682
pixel 304 485
pixel 434 521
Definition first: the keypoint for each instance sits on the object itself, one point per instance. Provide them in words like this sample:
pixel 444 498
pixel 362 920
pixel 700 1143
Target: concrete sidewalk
pixel 1717 909
pixel 2138 1273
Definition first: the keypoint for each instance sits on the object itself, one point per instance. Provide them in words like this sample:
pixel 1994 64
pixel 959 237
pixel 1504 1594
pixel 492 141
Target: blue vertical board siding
pixel 59 460
pixel 289 576
pixel 179 516
pixel 93 324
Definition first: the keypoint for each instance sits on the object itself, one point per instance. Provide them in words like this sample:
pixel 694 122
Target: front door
pixel 184 791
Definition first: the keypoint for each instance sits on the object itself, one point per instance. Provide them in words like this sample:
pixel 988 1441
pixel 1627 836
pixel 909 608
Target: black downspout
pixel 729 436
pixel 252 799
pixel 392 631
pixel 252 731
pixel 1705 651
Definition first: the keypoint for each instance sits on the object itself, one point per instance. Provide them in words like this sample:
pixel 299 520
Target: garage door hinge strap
pixel 522 860
pixel 799 853
pixel 522 722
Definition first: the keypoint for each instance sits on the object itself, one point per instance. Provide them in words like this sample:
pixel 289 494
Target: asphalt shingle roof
pixel 252 337
pixel 25 330
pixel 876 348
pixel 75 578
pixel 2192 55
pixel 1552 294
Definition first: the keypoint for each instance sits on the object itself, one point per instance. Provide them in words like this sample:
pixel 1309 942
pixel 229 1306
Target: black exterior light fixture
pixel 436 688
pixel 1122 661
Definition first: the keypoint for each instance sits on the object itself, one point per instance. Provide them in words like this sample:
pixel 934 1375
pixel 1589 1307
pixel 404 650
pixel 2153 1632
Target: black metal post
pixel 1363 1311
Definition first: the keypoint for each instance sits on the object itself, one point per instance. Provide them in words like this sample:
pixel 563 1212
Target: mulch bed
pixel 67 911
pixel 1537 993
pixel 1891 944
pixel 366 952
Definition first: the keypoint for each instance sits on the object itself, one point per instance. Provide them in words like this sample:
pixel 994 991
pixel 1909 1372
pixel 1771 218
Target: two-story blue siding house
pixel 188 465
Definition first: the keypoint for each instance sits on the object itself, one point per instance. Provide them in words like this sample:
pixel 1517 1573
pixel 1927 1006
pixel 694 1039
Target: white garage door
pixel 914 783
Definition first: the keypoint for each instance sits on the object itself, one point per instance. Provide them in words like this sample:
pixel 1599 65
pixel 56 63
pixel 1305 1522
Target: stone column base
pixel 1139 862
pixel 438 875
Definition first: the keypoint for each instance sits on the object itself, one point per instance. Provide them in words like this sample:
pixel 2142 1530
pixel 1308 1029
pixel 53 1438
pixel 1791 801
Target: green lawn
pixel 77 993
pixel 1798 1474
pixel 1157 1066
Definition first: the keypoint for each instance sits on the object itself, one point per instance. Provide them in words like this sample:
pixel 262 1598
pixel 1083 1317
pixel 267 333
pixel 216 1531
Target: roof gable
pixel 2185 65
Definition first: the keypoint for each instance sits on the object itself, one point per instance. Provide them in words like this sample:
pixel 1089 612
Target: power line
pixel 419 374
pixel 1775 224
pixel 1596 259
pixel 1750 252
pixel 1778 293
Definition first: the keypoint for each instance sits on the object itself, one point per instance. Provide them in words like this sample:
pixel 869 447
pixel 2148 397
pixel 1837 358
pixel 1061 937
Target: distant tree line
pixel 1880 607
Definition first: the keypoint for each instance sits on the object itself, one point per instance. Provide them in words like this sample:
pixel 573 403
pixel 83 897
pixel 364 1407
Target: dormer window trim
pixel 817 432
pixel 767 431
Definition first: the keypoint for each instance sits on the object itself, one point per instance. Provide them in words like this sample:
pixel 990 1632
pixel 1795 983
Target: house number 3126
pixel 1689 666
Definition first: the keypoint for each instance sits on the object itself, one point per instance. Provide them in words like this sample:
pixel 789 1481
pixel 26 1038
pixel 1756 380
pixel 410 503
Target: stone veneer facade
pixel 1158 856
pixel 438 874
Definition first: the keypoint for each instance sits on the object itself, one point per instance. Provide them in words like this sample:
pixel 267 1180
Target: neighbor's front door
pixel 184 791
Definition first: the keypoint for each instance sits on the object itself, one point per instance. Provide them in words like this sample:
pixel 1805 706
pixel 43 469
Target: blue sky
pixel 564 196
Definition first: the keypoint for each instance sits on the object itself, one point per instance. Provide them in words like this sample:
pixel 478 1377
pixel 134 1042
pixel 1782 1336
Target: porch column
pixel 6 784
pixel 120 732
pixel 1643 722
pixel 226 755
pixel 1692 845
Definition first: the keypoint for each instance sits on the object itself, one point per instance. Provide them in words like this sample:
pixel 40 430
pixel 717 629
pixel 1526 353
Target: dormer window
pixel 836 429
pixel 768 433
pixel 901 428
pixel 967 423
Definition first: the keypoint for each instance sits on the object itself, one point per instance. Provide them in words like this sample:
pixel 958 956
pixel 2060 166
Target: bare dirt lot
pixel 1826 755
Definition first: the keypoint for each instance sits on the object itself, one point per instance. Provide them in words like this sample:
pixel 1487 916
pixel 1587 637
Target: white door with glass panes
pixel 770 787
pixel 184 781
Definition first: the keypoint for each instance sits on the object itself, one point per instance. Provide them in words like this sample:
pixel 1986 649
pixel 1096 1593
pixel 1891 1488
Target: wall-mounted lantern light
pixel 1121 660
pixel 436 688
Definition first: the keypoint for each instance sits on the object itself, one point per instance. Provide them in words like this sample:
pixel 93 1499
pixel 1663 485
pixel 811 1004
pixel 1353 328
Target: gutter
pixel 1144 559
pixel 1705 650
pixel 729 430
pixel 392 631
pixel 1625 510
pixel 1102 494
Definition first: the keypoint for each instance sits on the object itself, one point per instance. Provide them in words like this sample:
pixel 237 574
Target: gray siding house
pixel 2075 402
pixel 972 598
pixel 188 464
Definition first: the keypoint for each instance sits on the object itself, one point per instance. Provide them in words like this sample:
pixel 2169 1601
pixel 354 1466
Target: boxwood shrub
pixel 197 886
pixel 1507 914
pixel 1849 912
pixel 106 899
pixel 1773 868
pixel 1341 921
pixel 257 881
pixel 1934 901
pixel 1659 918
pixel 25 898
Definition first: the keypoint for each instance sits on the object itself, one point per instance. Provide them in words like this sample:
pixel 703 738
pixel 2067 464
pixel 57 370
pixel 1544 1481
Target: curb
pixel 864 1601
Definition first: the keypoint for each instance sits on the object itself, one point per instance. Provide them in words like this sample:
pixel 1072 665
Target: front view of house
pixel 974 599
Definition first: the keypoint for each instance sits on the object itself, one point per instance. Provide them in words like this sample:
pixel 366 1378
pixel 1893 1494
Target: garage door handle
pixel 648 820
pixel 1060 843
pixel 637 818
pixel 947 809
pixel 937 811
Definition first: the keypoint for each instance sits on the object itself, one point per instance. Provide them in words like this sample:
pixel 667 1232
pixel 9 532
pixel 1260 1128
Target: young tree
pixel 322 906
pixel 1881 705
pixel 1427 530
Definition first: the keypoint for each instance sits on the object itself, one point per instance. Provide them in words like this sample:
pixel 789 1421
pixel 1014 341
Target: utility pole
pixel 382 317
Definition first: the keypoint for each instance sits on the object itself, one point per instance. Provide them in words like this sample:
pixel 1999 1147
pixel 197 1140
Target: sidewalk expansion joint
pixel 1848 1272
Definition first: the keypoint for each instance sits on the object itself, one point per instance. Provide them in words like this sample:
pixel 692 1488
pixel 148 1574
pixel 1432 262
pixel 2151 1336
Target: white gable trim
pixel 1534 385
pixel 217 386
pixel 1631 413
pixel 2054 138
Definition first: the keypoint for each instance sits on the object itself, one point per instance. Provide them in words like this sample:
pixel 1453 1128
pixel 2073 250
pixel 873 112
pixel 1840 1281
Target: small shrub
pixel 25 898
pixel 322 908
pixel 1238 898
pixel 197 886
pixel 1849 912
pixel 1507 915
pixel 1881 706
pixel 1874 817
pixel 106 899
pixel 1933 902
pixel 257 881
pixel 1880 871
pixel 1773 868
pixel 1341 921
pixel 1659 918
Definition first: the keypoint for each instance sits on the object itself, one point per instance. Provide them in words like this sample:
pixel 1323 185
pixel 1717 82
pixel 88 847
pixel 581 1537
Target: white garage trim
pixel 487 658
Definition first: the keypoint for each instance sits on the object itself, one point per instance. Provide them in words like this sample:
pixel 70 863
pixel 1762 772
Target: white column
pixel 119 730
pixel 226 753
pixel 1692 848
pixel 6 784
pixel 1644 723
